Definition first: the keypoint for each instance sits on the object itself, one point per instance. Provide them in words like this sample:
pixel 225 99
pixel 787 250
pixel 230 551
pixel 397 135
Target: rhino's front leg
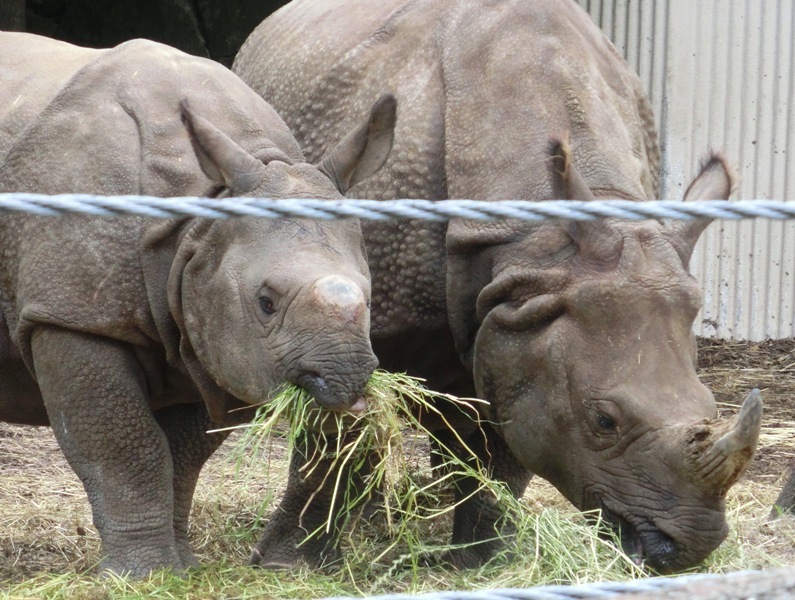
pixel 304 509
pixel 93 389
pixel 479 522
pixel 186 426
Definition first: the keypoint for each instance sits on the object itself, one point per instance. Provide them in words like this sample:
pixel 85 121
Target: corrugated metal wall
pixel 721 74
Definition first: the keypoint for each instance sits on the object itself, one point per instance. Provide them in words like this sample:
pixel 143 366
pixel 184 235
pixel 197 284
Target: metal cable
pixel 379 210
pixel 608 589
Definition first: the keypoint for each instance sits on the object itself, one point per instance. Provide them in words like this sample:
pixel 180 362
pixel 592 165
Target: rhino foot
pixel 186 556
pixel 473 555
pixel 285 546
pixel 140 564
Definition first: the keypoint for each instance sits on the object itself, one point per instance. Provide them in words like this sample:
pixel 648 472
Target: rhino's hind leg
pixel 94 393
pixel 480 525
pixel 186 426
pixel 304 509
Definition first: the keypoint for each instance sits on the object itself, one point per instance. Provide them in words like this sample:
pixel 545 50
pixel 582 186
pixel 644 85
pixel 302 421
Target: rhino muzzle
pixel 647 544
pixel 713 455
pixel 340 361
pixel 334 390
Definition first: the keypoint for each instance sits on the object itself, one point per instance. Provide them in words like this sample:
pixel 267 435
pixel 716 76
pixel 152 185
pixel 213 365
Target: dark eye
pixel 605 422
pixel 267 305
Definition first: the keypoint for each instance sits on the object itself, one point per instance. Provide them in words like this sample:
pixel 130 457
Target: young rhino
pixel 132 337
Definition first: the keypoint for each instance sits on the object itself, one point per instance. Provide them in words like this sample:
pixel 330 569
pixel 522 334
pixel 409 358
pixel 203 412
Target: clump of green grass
pixel 381 442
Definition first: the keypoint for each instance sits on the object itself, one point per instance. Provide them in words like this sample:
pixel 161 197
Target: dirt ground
pixel 45 522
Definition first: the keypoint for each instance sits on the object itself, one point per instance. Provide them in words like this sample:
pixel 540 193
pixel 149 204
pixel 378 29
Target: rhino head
pixel 263 301
pixel 580 337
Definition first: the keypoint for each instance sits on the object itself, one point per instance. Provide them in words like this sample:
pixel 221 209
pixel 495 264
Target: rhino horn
pixel 714 182
pixel 221 159
pixel 722 464
pixel 597 241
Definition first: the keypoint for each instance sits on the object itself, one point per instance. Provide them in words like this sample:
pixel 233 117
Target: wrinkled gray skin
pixel 132 337
pixel 578 335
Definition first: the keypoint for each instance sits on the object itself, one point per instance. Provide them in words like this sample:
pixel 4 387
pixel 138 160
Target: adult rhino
pixel 578 335
pixel 132 337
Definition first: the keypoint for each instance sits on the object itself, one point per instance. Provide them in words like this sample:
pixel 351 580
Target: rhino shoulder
pixel 568 80
pixel 44 284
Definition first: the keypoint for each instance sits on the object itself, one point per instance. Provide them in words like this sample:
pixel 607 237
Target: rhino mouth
pixel 331 395
pixel 643 542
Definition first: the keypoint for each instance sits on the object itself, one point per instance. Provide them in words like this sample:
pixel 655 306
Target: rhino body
pixel 132 337
pixel 578 335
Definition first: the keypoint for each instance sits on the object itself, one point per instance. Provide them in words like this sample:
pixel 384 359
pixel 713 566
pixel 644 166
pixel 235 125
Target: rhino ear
pixel 597 242
pixel 365 149
pixel 221 159
pixel 566 179
pixel 714 182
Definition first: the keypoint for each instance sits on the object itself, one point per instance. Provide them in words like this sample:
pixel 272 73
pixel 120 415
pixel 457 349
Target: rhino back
pixel 113 127
pixel 23 96
pixel 482 86
pixel 320 68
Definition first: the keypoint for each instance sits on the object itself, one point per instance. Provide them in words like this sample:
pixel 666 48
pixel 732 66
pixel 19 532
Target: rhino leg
pixel 186 426
pixel 93 389
pixel 480 525
pixel 785 503
pixel 304 508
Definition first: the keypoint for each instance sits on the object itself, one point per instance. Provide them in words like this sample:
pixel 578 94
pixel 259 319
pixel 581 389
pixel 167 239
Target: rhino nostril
pixel 333 391
pixel 312 382
pixel 325 395
pixel 667 547
pixel 662 553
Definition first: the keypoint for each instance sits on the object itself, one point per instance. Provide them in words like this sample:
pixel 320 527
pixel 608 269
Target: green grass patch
pixel 384 441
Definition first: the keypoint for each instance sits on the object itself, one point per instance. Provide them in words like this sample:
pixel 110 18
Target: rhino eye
pixel 267 305
pixel 605 422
